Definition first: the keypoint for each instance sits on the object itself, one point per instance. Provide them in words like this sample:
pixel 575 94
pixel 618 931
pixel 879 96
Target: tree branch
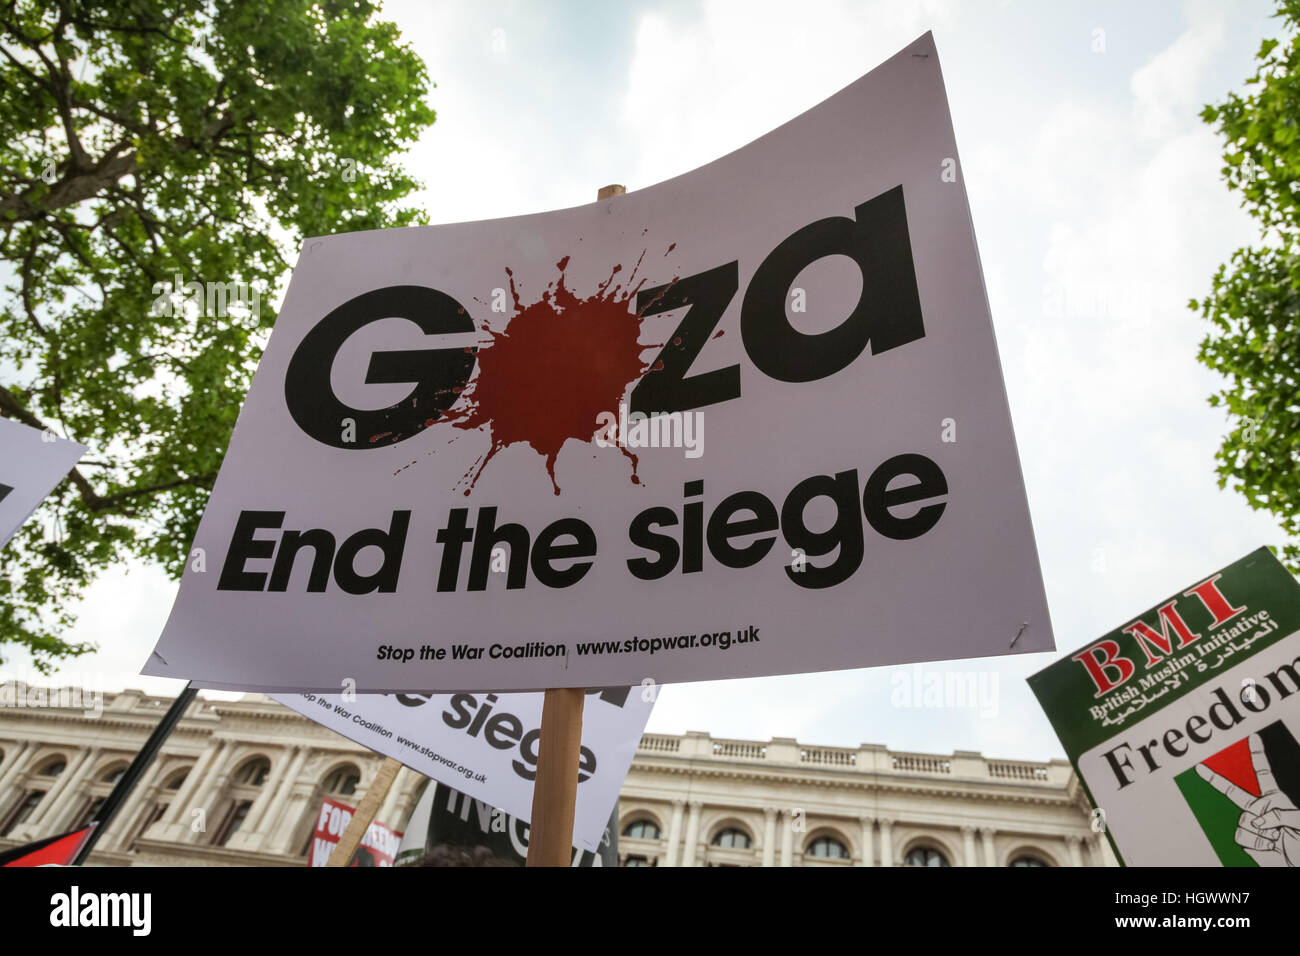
pixel 93 501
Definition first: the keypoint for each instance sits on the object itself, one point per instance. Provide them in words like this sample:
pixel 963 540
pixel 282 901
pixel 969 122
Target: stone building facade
pixel 239 783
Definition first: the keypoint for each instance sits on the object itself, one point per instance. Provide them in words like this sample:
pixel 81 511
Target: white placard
pixel 432 484
pixel 485 745
pixel 32 463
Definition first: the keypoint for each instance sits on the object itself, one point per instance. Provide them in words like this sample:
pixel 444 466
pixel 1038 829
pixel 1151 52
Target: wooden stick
pixel 555 791
pixel 365 812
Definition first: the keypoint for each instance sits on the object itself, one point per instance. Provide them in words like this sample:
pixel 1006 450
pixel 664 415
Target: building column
pixel 674 834
pixel 692 833
pixel 13 760
pixel 213 785
pixel 968 846
pixel 868 838
pixel 886 841
pixel 185 795
pixel 301 791
pixel 145 792
pixel 1072 846
pixel 70 780
pixel 270 791
pixel 270 820
pixel 769 836
pixel 787 839
pixel 986 833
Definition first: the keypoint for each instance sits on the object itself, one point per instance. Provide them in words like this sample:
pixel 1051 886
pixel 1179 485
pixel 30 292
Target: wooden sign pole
pixel 365 812
pixel 555 791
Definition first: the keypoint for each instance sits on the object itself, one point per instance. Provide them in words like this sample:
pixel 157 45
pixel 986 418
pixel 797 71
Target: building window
pixel 89 813
pixel 1027 860
pixel 343 781
pixel 925 856
pixel 827 847
pixel 114 775
pixel 175 782
pixel 732 839
pixel 23 811
pixel 637 861
pixel 641 830
pixel 253 773
pixel 155 814
pixel 231 824
pixel 53 768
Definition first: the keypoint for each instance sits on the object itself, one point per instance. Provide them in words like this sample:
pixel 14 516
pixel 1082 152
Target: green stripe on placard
pixel 1067 693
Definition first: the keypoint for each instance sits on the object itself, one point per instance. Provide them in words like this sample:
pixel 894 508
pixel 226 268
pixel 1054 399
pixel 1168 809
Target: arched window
pixel 113 775
pixel 641 830
pixel 925 856
pixel 232 821
pixel 827 847
pixel 1026 859
pixel 733 838
pixel 89 812
pixel 253 773
pixel 53 768
pixel 343 781
pixel 175 782
pixel 24 810
pixel 637 861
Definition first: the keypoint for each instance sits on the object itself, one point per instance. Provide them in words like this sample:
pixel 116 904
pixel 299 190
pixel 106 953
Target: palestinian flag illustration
pixel 58 850
pixel 1246 798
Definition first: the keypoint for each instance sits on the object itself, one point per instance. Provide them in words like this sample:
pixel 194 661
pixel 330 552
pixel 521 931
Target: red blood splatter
pixel 677 340
pixel 670 249
pixel 718 334
pixel 559 363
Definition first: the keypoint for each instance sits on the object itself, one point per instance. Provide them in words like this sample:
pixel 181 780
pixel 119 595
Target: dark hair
pixel 446 855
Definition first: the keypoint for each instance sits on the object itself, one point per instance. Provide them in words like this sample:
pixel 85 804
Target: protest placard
pixel 1183 724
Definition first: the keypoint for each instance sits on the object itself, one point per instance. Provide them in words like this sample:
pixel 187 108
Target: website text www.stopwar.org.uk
pixel 721 640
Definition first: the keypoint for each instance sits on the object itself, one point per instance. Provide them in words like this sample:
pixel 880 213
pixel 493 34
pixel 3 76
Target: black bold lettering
pixel 888 313
pixel 545 550
pixel 878 498
pixel 668 388
pixel 661 544
pixel 437 374
pixel 844 536
pixel 722 529
pixel 391 542
pixel 244 546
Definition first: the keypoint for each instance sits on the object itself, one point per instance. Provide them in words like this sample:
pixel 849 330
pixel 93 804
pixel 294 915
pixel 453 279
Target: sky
pixel 1099 211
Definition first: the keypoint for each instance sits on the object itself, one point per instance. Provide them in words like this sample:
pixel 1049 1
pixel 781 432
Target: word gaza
pixel 887 316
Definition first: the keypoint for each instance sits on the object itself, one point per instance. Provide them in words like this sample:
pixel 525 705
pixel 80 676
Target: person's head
pixel 446 855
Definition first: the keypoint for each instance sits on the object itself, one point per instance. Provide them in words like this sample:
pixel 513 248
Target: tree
pixel 1255 302
pixel 147 145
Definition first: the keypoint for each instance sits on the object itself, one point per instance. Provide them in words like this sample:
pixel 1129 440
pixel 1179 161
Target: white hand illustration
pixel 1269 826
